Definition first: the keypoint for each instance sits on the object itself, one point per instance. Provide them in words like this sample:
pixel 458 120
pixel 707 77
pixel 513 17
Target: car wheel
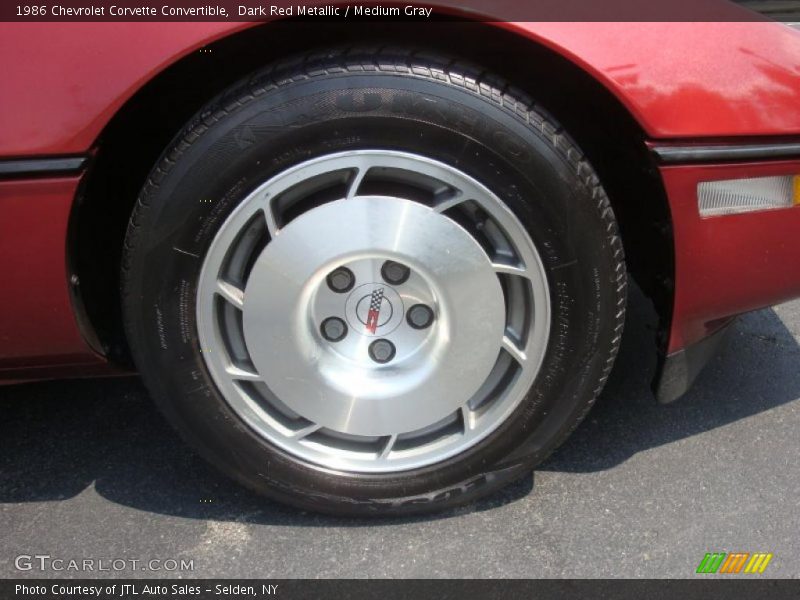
pixel 366 282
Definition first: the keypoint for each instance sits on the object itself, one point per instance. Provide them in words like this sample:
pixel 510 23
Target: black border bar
pixel 700 587
pixel 474 10
pixel 691 154
pixel 42 166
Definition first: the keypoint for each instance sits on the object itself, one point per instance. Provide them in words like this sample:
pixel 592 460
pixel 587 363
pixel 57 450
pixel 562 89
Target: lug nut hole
pixel 394 272
pixel 419 316
pixel 381 351
pixel 341 280
pixel 333 329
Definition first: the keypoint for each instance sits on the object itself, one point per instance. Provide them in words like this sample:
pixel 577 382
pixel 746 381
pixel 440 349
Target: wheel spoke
pixel 387 447
pixel 468 417
pixel 504 269
pixel 515 351
pixel 355 181
pixel 299 434
pixel 231 293
pixel 448 200
pixel 269 217
pixel 241 374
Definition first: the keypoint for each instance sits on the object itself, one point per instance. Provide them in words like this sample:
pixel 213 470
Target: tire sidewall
pixel 235 147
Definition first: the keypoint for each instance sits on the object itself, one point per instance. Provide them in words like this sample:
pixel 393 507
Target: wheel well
pixel 134 139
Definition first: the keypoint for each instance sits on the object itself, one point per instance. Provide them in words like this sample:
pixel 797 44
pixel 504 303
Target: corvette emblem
pixel 376 299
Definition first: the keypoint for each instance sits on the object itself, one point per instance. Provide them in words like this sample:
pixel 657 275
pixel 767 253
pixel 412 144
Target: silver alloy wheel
pixel 373 311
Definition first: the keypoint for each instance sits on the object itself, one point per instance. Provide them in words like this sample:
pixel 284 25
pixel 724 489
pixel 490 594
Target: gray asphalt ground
pixel 88 469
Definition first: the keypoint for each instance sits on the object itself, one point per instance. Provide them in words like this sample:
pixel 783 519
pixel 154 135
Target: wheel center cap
pixel 339 384
pixel 374 309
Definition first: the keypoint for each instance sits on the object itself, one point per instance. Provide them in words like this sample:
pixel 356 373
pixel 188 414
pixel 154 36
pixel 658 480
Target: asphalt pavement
pixel 89 470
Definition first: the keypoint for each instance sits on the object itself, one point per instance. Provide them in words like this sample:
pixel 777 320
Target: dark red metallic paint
pixel 62 83
pixel 678 79
pixel 727 265
pixel 37 323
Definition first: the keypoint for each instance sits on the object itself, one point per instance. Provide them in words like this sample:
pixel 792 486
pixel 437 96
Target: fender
pixel 668 75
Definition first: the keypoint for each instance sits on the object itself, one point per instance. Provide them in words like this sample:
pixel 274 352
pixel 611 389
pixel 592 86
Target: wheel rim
pixel 373 311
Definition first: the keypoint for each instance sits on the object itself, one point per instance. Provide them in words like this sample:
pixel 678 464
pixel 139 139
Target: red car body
pixel 688 86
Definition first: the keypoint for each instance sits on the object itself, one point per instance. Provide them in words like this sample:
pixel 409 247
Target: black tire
pixel 364 99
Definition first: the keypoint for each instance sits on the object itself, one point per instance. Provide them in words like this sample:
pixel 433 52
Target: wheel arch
pixel 133 139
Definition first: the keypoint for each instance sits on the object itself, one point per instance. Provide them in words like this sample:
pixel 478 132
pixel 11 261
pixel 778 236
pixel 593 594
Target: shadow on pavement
pixel 59 438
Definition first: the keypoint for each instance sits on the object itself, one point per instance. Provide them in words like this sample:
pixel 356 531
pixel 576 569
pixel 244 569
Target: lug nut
pixel 341 280
pixel 381 351
pixel 394 273
pixel 333 329
pixel 419 316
